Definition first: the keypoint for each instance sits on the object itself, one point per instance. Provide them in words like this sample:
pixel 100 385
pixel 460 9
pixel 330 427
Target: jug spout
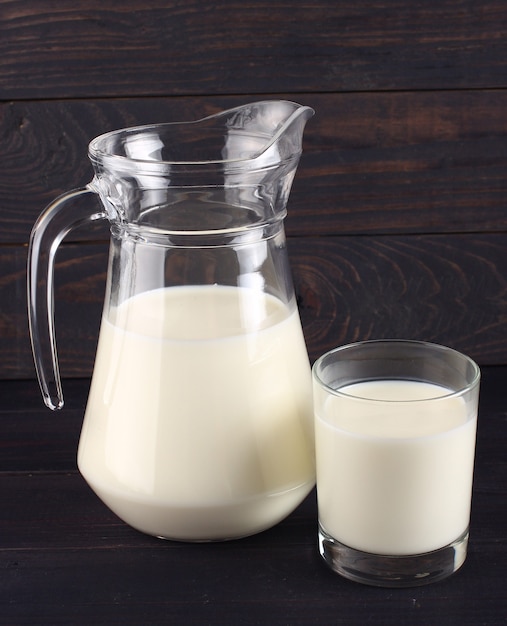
pixel 262 148
pixel 265 133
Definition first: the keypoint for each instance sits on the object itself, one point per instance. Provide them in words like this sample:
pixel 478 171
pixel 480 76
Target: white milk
pixel 199 423
pixel 395 477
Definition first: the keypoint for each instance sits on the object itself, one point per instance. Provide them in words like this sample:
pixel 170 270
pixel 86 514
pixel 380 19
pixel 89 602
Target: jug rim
pixel 98 154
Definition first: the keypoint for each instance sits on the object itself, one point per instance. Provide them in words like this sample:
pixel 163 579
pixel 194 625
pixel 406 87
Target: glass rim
pixel 475 379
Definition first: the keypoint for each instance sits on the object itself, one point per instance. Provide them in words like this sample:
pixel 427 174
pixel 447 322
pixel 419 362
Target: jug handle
pixel 51 227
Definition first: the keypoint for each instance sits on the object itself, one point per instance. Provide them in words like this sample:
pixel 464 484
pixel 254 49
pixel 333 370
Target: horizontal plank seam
pixel 175 545
pixel 403 234
pixel 251 96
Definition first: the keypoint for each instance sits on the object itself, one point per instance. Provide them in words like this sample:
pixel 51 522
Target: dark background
pixel 397 227
pixel 397 220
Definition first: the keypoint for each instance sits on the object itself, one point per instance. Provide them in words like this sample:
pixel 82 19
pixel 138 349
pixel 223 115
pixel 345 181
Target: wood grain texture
pixel 79 296
pixel 107 573
pixel 397 216
pixel 82 565
pixel 91 48
pixel 372 163
pixel 441 288
pixel 445 289
pixel 276 580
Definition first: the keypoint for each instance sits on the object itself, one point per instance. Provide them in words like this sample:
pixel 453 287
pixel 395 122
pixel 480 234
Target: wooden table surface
pixel 65 559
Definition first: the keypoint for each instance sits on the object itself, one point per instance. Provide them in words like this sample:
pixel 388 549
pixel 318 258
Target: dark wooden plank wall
pixel 397 220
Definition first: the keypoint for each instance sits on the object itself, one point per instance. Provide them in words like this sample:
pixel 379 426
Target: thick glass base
pixel 393 571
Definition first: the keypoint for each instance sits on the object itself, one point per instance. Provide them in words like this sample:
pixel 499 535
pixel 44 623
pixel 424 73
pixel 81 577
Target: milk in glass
pixel 394 476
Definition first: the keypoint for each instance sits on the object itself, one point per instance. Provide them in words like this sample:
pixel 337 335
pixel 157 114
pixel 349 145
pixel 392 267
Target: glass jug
pixel 199 419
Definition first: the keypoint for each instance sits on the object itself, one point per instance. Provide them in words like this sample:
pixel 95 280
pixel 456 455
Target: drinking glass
pixel 395 425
